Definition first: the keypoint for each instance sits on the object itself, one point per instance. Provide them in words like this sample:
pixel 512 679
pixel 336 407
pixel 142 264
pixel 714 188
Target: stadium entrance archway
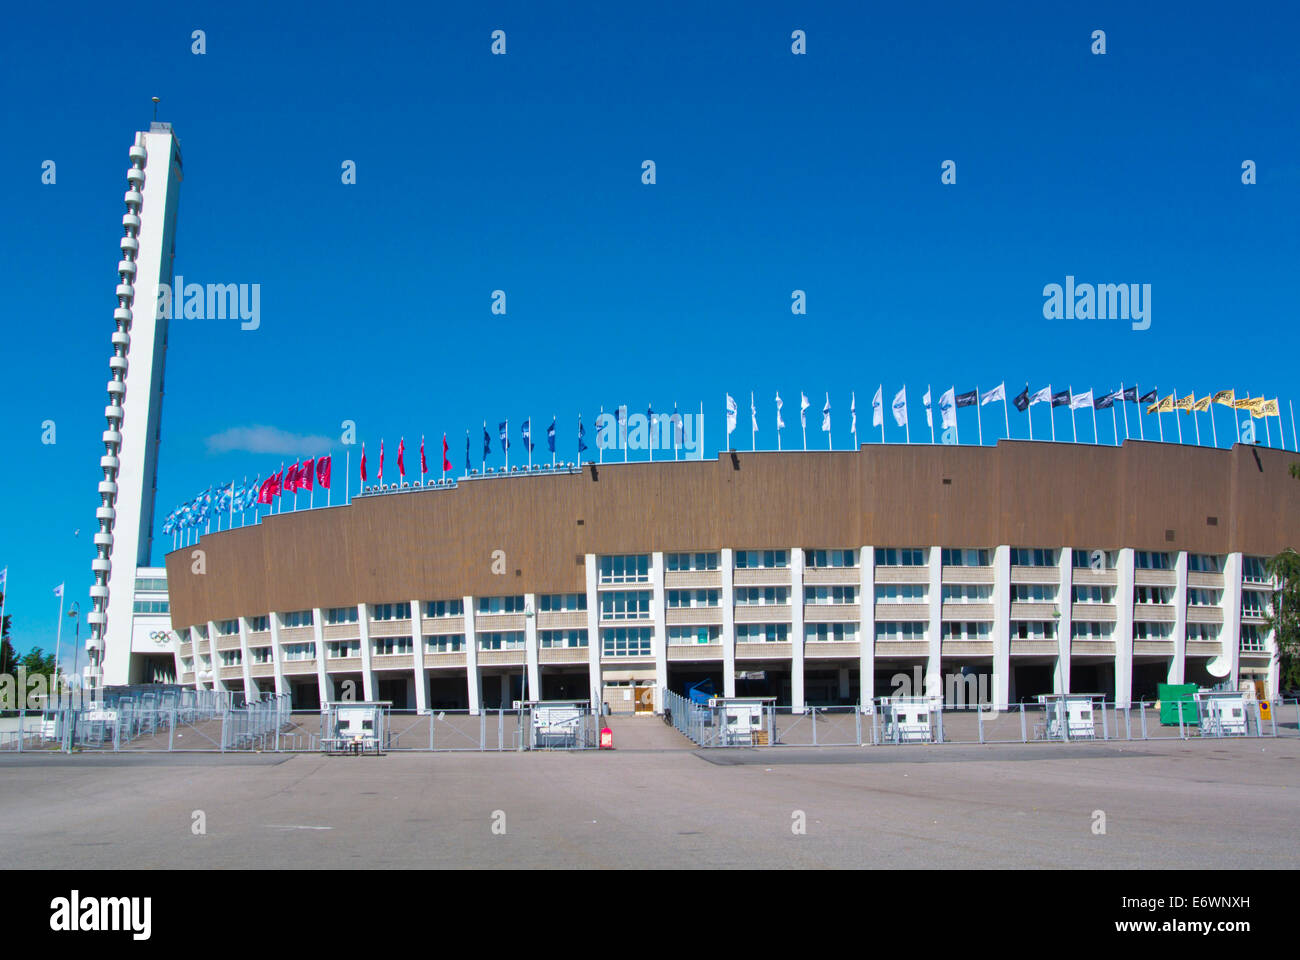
pixel 1031 677
pixel 1093 675
pixel 501 690
pixel 304 693
pixel 899 676
pixel 765 679
pixel 681 678
pixel 565 683
pixel 831 684
pixel 968 681
pixel 447 692
pixel 397 689
pixel 345 686
pixel 1148 673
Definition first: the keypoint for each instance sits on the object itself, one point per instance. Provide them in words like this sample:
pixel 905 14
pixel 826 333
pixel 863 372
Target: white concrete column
pixel 727 565
pixel 1064 623
pixel 796 630
pixel 1231 632
pixel 534 691
pixel 1001 627
pixel 474 681
pixel 421 679
pixel 250 688
pixel 215 655
pixel 318 634
pixel 277 655
pixel 867 630
pixel 1177 666
pixel 367 673
pixel 1124 628
pixel 934 658
pixel 659 640
pixel 593 633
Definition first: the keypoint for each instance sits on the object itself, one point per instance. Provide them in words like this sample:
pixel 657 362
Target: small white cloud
pixel 260 439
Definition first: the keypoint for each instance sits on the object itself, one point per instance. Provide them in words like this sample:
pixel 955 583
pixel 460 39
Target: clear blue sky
pixel 775 172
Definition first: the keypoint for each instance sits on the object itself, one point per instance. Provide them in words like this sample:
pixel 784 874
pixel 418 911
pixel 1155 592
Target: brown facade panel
pixel 440 543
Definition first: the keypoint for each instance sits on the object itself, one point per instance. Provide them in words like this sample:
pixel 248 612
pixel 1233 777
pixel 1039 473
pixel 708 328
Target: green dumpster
pixel 1176 696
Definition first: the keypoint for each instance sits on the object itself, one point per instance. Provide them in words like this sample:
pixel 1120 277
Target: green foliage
pixel 8 658
pixel 38 662
pixel 1285 620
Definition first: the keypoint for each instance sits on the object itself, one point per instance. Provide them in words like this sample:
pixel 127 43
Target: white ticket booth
pixel 907 719
pixel 1070 716
pixel 1223 713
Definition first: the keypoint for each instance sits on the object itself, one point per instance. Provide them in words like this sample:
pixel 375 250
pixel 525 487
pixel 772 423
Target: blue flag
pixel 582 443
pixel 526 432
pixel 467 467
pixel 504 430
pixel 487 442
pixel 550 436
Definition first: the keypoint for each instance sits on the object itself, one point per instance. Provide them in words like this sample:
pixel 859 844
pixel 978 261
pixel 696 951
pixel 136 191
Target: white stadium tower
pixel 130 638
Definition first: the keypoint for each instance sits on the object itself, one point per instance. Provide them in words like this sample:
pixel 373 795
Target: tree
pixel 40 663
pixel 1284 621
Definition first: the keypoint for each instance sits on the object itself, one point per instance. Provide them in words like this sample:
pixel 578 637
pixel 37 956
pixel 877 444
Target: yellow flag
pixel 1167 404
pixel 1241 403
pixel 1257 407
pixel 1185 403
pixel 1271 409
pixel 1225 397
pixel 1202 404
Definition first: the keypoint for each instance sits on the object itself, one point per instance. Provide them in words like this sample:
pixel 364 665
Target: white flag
pixel 731 415
pixel 58 591
pixel 1081 401
pixel 853 410
pixel 948 408
pixel 803 406
pixel 1042 396
pixel 753 413
pixel 997 393
pixel 826 414
pixel 900 407
pixel 779 422
pixel 877 408
pixel 925 402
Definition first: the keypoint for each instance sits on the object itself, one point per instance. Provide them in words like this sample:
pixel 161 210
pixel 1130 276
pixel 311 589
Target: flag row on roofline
pixel 684 435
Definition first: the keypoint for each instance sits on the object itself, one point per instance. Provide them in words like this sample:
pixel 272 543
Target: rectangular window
pixel 338 649
pixel 444 608
pixel 902 630
pixel 1254 603
pixel 1091 630
pixel 687 635
pixel 151 584
pixel 1095 559
pixel 634 568
pixel 307 651
pixel 830 632
pixel 151 606
pixel 953 557
pixel 823 559
pixel 1033 557
pixel 513 604
pixel 1093 594
pixel 1203 597
pixel 1152 631
pixel 259 624
pixel 691 561
pixel 231 658
pixel 1253 570
pixel 263 654
pixel 625 605
pixel 762 559
pixel 388 646
pixel 227 628
pixel 561 639
pixel 830 595
pixel 900 557
pixel 1207 632
pixel 1254 639
pixel 762 632
pixel 1151 560
pixel 298 618
pixel 626 642
pixel 966 630
pixel 693 598
pixel 503 640
pixel 1033 593
pixel 390 611
pixel 1033 629
pixel 562 602
pixel 337 615
pixel 1204 563
pixel 762 596
pixel 901 592
pixel 1157 595
pixel 968 593
pixel 445 643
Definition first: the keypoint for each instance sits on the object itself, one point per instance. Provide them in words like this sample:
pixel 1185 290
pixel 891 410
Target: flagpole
pixel 907 421
pixel 1197 421
pixel 1268 433
pixel 623 423
pixel 853 402
pixel 1029 412
pixel 1294 446
pixel 1114 422
pixel 1177 419
pixel 232 504
pixel 1142 433
pixel 555 419
pixel 1233 408
pixel 828 426
pixel 1074 422
pixel 701 429
pixel 1214 430
pixel 929 408
pixel 881 391
pixel 58 635
pixel 753 424
pixel 979 417
pixel 1094 416
pixel 1006 414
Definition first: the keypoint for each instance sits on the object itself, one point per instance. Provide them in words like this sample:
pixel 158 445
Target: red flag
pixel 270 487
pixel 323 472
pixel 446 464
pixel 291 478
pixel 363 463
pixel 401 449
pixel 380 478
pixel 424 465
pixel 306 474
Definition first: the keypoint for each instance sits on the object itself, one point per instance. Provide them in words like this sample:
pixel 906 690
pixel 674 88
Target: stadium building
pixel 811 577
